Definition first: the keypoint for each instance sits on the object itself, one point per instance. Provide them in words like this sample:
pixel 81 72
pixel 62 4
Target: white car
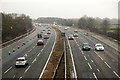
pixel 99 47
pixel 21 61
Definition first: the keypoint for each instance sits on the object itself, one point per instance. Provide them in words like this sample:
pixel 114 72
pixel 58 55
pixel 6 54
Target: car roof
pixel 75 33
pixel 85 43
pixel 45 34
pixel 98 44
pixel 21 58
pixel 40 40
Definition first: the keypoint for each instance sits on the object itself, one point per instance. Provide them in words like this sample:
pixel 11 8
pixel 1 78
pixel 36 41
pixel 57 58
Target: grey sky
pixel 62 8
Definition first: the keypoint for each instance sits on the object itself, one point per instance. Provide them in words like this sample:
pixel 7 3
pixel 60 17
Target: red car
pixel 70 37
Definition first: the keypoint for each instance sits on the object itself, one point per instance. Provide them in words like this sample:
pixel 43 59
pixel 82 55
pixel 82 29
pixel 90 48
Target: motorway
pixel 36 56
pixel 92 64
pixel 87 64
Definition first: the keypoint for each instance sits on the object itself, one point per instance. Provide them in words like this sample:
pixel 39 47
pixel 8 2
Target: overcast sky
pixel 61 8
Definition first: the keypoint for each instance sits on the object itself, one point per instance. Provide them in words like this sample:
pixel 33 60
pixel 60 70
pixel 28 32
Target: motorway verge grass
pixel 55 56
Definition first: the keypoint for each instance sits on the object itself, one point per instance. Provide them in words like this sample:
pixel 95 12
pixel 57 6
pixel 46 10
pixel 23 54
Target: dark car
pixel 48 32
pixel 39 35
pixel 76 31
pixel 40 42
pixel 86 46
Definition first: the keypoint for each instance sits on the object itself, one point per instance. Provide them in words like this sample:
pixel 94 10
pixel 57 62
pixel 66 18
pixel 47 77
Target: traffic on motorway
pixel 27 57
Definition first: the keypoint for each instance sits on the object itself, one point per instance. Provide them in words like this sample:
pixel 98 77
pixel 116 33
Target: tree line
pixel 14 25
pixel 98 25
pixel 101 26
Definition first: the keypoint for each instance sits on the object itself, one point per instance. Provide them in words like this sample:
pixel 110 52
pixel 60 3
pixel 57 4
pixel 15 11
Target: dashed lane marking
pixel 85 58
pixel 7 70
pixel 116 74
pixel 95 76
pixel 89 65
pixel 107 65
pixel 27 69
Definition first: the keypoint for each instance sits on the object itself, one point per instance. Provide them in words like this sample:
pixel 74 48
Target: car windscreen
pixel 20 60
pixel 86 44
pixel 100 45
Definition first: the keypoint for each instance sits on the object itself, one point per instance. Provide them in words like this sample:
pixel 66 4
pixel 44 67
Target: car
pixel 99 47
pixel 39 35
pixel 43 29
pixel 70 37
pixel 76 31
pixel 21 61
pixel 75 35
pixel 46 36
pixel 40 42
pixel 48 32
pixel 48 29
pixel 65 28
pixel 86 46
pixel 86 33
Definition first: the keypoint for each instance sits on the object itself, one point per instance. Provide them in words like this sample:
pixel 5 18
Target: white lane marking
pixel 30 50
pixel 100 57
pixel 41 50
pixel 95 76
pixel 48 59
pixel 14 76
pixel 27 69
pixel 20 77
pixel 89 65
pixel 33 46
pixel 82 52
pixel 85 58
pixel 91 60
pixel 7 70
pixel 34 60
pixel 98 70
pixel 96 52
pixel 107 65
pixel 116 74
pixel 72 60
pixel 38 54
pixel 25 55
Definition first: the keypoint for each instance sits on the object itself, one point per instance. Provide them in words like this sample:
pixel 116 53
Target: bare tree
pixel 105 26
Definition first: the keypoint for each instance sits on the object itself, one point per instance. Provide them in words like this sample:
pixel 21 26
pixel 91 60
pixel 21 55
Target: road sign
pixel 55 23
pixel 56 26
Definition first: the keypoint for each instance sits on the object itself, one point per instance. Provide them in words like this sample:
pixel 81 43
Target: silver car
pixel 21 61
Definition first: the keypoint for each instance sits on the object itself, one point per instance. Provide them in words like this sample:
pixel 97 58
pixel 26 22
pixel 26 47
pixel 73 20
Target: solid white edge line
pixel 72 59
pixel 48 58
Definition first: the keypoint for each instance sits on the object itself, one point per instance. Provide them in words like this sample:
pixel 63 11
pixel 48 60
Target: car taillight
pixel 16 62
pixel 23 62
